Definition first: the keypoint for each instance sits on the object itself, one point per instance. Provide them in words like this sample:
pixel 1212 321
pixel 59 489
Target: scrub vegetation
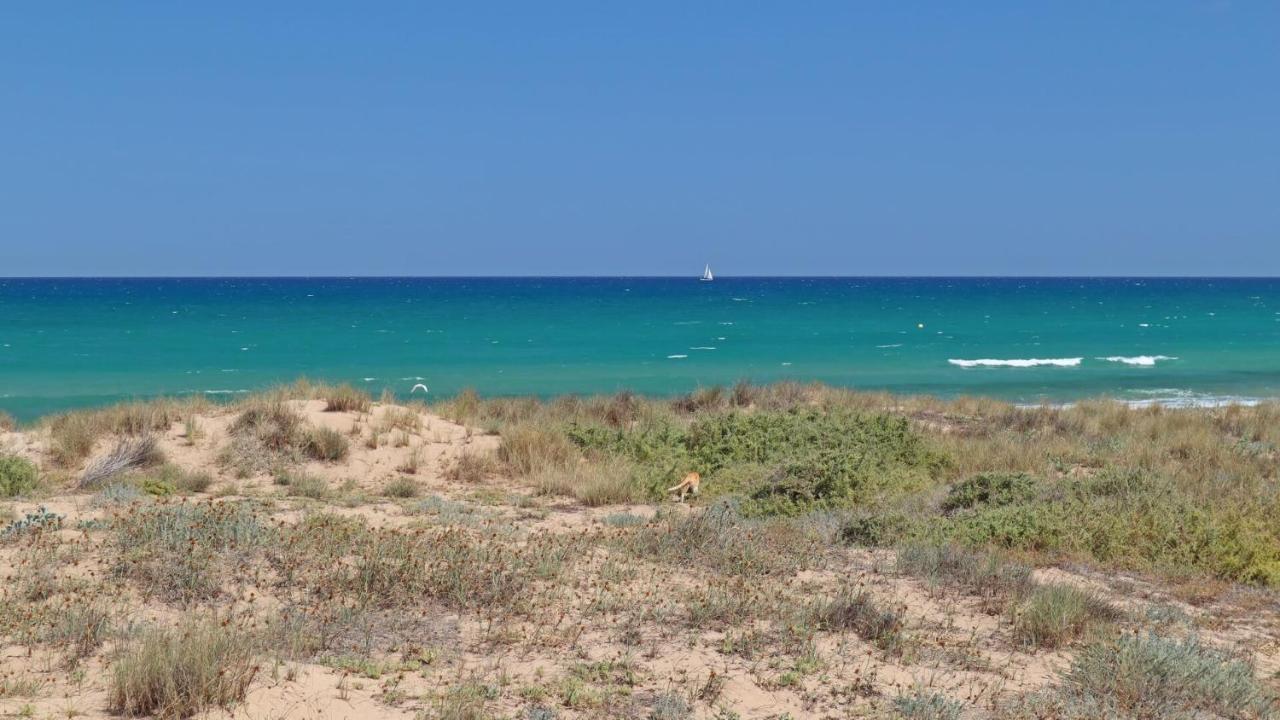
pixel 848 555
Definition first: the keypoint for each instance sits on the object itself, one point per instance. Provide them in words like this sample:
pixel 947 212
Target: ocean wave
pixel 891 345
pixel 1018 362
pixel 1179 398
pixel 676 357
pixel 702 347
pixel 1140 360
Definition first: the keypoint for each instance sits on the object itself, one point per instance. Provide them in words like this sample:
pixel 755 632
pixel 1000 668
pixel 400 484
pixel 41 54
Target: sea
pixel 72 343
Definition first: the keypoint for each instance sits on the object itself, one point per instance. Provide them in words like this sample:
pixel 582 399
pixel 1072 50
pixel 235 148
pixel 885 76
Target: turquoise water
pixel 71 343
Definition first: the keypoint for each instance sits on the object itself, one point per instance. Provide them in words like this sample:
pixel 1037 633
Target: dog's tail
pixel 677 487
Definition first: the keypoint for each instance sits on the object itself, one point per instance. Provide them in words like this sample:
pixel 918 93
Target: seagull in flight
pixel 419 385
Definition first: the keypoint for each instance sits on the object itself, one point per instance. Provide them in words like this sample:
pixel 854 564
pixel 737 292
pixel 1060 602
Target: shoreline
pixel 1169 399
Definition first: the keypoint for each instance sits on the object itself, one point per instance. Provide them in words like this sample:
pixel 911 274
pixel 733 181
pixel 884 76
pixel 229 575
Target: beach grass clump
pixel 1054 615
pixel 403 488
pixel 267 434
pixel 129 453
pixel 984 574
pixel 73 435
pixel 471 467
pixel 344 398
pixel 326 444
pixel 302 484
pixel 856 610
pixel 528 449
pixel 595 484
pixel 177 673
pixel 18 476
pixel 405 419
pixel 7 422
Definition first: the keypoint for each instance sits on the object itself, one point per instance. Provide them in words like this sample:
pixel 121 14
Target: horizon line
pixel 640 277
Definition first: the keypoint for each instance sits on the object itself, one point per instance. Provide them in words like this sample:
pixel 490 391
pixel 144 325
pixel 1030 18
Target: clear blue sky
pixel 163 138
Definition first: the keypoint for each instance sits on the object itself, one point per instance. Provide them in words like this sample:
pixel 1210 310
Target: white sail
pixel 706 274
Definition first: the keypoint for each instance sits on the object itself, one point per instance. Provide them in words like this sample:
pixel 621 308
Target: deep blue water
pixel 68 343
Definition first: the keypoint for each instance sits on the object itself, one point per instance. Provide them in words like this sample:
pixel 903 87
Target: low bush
pixel 402 487
pixel 18 476
pixel 183 552
pixel 990 489
pixel 783 463
pixel 923 704
pixel 1149 676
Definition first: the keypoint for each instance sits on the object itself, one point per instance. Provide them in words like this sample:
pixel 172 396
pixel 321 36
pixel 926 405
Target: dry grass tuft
pixel 471 467
pixel 1055 615
pixel 345 398
pixel 130 453
pixel 178 673
pixel 529 449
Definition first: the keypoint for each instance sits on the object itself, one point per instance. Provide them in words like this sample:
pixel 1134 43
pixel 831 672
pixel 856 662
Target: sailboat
pixel 706 274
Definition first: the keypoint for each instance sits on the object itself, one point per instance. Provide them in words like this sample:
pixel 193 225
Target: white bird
pixel 419 385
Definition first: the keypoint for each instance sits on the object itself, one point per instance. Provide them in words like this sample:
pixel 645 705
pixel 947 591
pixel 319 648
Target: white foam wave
pixel 702 347
pixel 1017 362
pixel 891 345
pixel 676 357
pixel 1139 360
pixel 1177 398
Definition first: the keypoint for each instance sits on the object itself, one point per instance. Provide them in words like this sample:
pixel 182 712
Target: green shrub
pixel 876 530
pixel 783 462
pixel 1155 677
pixel 157 487
pixel 17 476
pixel 996 489
pixel 1022 527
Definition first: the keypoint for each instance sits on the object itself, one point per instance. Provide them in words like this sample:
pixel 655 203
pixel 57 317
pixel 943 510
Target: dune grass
pixel 180 672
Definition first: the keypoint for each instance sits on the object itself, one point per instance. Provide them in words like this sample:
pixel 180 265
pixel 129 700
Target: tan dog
pixel 687 486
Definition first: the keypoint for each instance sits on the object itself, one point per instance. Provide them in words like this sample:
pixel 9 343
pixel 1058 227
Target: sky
pixel 567 138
